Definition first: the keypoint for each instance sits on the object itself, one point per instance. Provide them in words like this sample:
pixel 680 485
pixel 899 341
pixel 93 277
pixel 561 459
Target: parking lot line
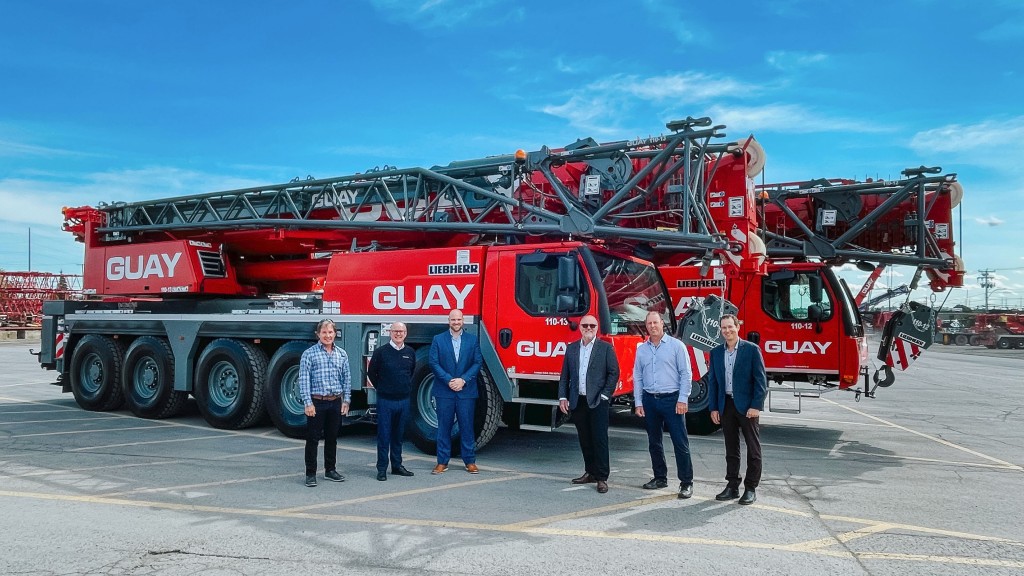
pixel 55 420
pixel 591 511
pixel 194 486
pixel 125 444
pixel 947 443
pixel 150 427
pixel 799 548
pixel 404 493
pixel 44 472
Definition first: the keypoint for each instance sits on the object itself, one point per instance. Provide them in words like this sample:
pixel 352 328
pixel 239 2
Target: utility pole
pixel 986 281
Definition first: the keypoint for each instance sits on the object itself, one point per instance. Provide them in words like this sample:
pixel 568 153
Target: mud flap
pixel 906 335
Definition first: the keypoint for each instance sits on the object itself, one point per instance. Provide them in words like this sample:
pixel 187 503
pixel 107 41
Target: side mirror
pixel 568 279
pixel 815 287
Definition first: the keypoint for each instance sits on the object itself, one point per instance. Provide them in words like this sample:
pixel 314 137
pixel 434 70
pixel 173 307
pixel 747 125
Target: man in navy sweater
pixel 390 372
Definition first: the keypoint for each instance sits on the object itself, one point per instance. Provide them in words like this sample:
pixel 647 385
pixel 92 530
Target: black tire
pixel 228 386
pixel 974 340
pixel 1003 344
pixel 422 427
pixel 96 373
pixel 281 393
pixel 147 379
pixel 961 340
pixel 1020 344
pixel 698 416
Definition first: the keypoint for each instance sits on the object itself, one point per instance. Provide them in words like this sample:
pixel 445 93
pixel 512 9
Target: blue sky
pixel 129 100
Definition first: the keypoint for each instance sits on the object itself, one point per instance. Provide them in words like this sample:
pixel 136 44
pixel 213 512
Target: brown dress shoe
pixel 439 469
pixel 602 487
pixel 472 469
pixel 585 479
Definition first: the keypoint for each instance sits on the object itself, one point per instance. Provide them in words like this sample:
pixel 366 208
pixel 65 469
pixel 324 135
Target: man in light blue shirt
pixel 661 392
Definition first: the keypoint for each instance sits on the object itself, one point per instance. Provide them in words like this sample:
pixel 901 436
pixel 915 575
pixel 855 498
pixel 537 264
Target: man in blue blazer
pixel 590 372
pixel 455 360
pixel 737 387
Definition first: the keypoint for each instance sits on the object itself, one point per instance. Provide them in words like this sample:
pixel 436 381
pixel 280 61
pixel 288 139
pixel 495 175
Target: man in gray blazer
pixel 737 388
pixel 590 372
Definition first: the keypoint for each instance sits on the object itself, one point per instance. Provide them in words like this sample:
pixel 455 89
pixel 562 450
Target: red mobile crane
pixel 216 294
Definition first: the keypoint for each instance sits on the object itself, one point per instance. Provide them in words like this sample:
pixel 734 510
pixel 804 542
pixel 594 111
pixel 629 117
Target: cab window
pixel 796 296
pixel 538 285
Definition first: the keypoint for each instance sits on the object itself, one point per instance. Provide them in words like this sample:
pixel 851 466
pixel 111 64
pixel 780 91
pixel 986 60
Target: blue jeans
pixel 659 412
pixel 391 418
pixel 448 411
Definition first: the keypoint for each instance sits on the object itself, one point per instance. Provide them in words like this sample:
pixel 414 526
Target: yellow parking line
pixel 1003 463
pixel 840 538
pixel 962 560
pixel 404 493
pixel 602 534
pixel 590 512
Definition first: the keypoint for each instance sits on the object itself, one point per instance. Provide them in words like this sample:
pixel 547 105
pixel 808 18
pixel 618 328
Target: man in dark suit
pixel 455 360
pixel 737 387
pixel 590 372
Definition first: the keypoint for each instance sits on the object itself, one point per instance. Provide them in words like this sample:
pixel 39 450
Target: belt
pixel 328 398
pixel 662 394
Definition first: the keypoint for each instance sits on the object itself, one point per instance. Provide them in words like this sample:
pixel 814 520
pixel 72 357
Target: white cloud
pixel 994 143
pixel 600 105
pixel 787 118
pixel 19 149
pixel 989 221
pixel 788 61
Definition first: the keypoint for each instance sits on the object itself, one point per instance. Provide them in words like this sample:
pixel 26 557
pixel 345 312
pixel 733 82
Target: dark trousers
pixel 325 424
pixel 592 428
pixel 391 418
pixel 450 410
pixel 732 423
pixel 659 413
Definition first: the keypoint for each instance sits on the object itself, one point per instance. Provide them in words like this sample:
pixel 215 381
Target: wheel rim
pixel 90 375
pixel 223 384
pixel 145 378
pixel 425 403
pixel 292 407
pixel 698 395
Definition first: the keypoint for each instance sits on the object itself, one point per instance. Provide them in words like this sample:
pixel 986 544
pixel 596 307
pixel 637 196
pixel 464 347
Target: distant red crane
pixel 22 294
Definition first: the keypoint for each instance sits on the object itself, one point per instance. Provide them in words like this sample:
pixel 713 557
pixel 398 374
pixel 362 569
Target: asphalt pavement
pixel 925 478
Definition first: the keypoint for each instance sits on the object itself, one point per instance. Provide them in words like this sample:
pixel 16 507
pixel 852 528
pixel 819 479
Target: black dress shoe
pixel 728 494
pixel 602 487
pixel 585 479
pixel 748 497
pixel 655 483
pixel 685 490
pixel 402 471
pixel 382 476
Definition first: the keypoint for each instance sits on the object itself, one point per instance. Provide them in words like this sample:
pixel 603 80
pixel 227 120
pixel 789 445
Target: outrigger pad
pixel 910 331
pixel 698 328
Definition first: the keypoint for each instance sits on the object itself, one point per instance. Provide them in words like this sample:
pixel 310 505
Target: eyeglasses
pixel 588 325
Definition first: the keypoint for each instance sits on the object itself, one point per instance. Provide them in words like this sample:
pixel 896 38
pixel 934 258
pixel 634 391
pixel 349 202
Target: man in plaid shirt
pixel 325 385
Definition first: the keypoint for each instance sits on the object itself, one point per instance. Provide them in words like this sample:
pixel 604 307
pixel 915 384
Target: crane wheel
pixel 148 379
pixel 96 373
